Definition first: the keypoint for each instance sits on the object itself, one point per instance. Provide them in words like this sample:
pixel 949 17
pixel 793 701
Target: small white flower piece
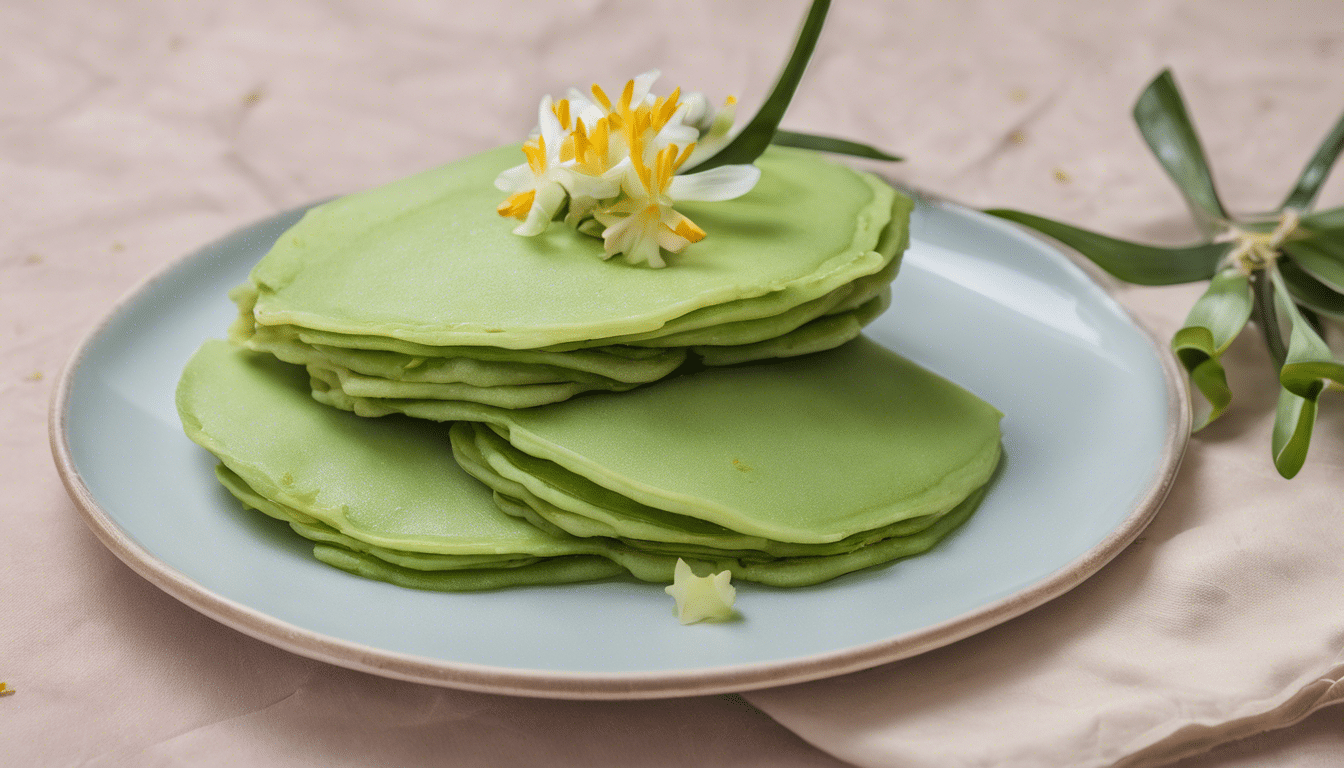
pixel 713 126
pixel 643 223
pixel 537 187
pixel 701 598
pixel 615 163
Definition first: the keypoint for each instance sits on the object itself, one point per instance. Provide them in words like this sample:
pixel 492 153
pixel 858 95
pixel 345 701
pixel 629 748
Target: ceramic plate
pixel 1096 422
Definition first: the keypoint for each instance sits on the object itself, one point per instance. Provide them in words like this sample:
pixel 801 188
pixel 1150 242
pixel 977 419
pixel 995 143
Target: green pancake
pixel 427 260
pixel 416 296
pixel 805 450
pixel 384 498
pixel 570 503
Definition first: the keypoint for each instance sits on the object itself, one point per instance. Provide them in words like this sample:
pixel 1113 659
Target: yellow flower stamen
pixel 685 155
pixel 601 97
pixel 535 151
pixel 666 108
pixel 517 206
pixel 730 101
pixel 601 139
pixel 637 159
pixel 665 157
pixel 687 229
pixel 627 93
pixel 561 110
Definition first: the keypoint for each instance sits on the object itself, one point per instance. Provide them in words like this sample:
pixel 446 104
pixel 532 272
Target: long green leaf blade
pixel 831 144
pixel 1162 119
pixel 1307 369
pixel 755 137
pixel 1328 219
pixel 1132 262
pixel 1294 419
pixel 1310 292
pixel 1309 365
pixel 1267 317
pixel 1322 258
pixel 1316 170
pixel 1214 321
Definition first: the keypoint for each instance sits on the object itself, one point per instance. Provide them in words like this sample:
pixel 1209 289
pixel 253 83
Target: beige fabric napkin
pixel 130 133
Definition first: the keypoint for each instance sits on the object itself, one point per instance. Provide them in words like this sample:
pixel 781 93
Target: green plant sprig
pixel 1283 271
pixel 763 129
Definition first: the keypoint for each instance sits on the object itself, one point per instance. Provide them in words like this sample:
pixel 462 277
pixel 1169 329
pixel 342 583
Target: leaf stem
pixel 1267 317
pixel 755 137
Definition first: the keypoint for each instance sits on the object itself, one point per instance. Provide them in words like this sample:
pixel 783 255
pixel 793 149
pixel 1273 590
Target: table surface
pixel 131 133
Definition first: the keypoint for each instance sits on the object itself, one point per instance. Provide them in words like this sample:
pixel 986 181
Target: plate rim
pixel 620 685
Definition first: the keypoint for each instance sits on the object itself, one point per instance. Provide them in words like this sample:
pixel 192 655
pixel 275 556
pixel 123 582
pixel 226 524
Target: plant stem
pixel 1267 317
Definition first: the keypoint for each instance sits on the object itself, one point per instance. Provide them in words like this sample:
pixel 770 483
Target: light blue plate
pixel 1096 422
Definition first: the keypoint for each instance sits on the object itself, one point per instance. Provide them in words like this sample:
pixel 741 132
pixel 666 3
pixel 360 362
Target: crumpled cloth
pixel 131 133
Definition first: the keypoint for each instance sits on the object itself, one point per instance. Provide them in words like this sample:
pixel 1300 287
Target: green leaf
pixel 1328 219
pixel 1213 322
pixel 1267 317
pixel 1165 125
pixel 1307 369
pixel 831 144
pixel 1321 257
pixel 755 137
pixel 1133 262
pixel 1293 422
pixel 1310 292
pixel 1309 365
pixel 1318 168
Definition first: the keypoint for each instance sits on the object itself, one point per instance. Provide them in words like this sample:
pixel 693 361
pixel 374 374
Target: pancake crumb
pixel 701 598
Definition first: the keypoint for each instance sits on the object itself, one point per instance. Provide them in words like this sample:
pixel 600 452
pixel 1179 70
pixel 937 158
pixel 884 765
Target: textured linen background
pixel 133 132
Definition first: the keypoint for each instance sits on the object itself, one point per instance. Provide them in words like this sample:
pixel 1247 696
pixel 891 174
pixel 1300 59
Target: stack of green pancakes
pixel 416 297
pixel 786 472
pixel 514 442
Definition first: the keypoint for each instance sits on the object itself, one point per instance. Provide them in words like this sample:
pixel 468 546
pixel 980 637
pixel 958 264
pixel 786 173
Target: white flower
pixel 712 125
pixel 537 187
pixel 643 223
pixel 615 164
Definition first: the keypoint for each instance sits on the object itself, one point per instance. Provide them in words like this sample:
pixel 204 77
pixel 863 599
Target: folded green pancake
pixel 386 499
pixel 419 290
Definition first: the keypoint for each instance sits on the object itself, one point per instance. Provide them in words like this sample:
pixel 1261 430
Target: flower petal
pixel 643 84
pixel 551 132
pixel 723 183
pixel 548 200
pixel 516 179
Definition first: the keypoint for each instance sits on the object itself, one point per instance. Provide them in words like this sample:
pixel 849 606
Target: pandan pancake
pixel 806 450
pixel 577 506
pixel 425 271
pixel 371 395
pixel 384 498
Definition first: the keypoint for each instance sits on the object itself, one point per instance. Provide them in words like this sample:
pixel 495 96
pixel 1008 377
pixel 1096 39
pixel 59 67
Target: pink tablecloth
pixel 132 132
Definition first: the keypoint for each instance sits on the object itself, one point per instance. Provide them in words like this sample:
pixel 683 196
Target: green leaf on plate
pixel 1133 262
pixel 755 137
pixel 1307 369
pixel 1214 321
pixel 831 144
pixel 1162 119
pixel 1317 169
